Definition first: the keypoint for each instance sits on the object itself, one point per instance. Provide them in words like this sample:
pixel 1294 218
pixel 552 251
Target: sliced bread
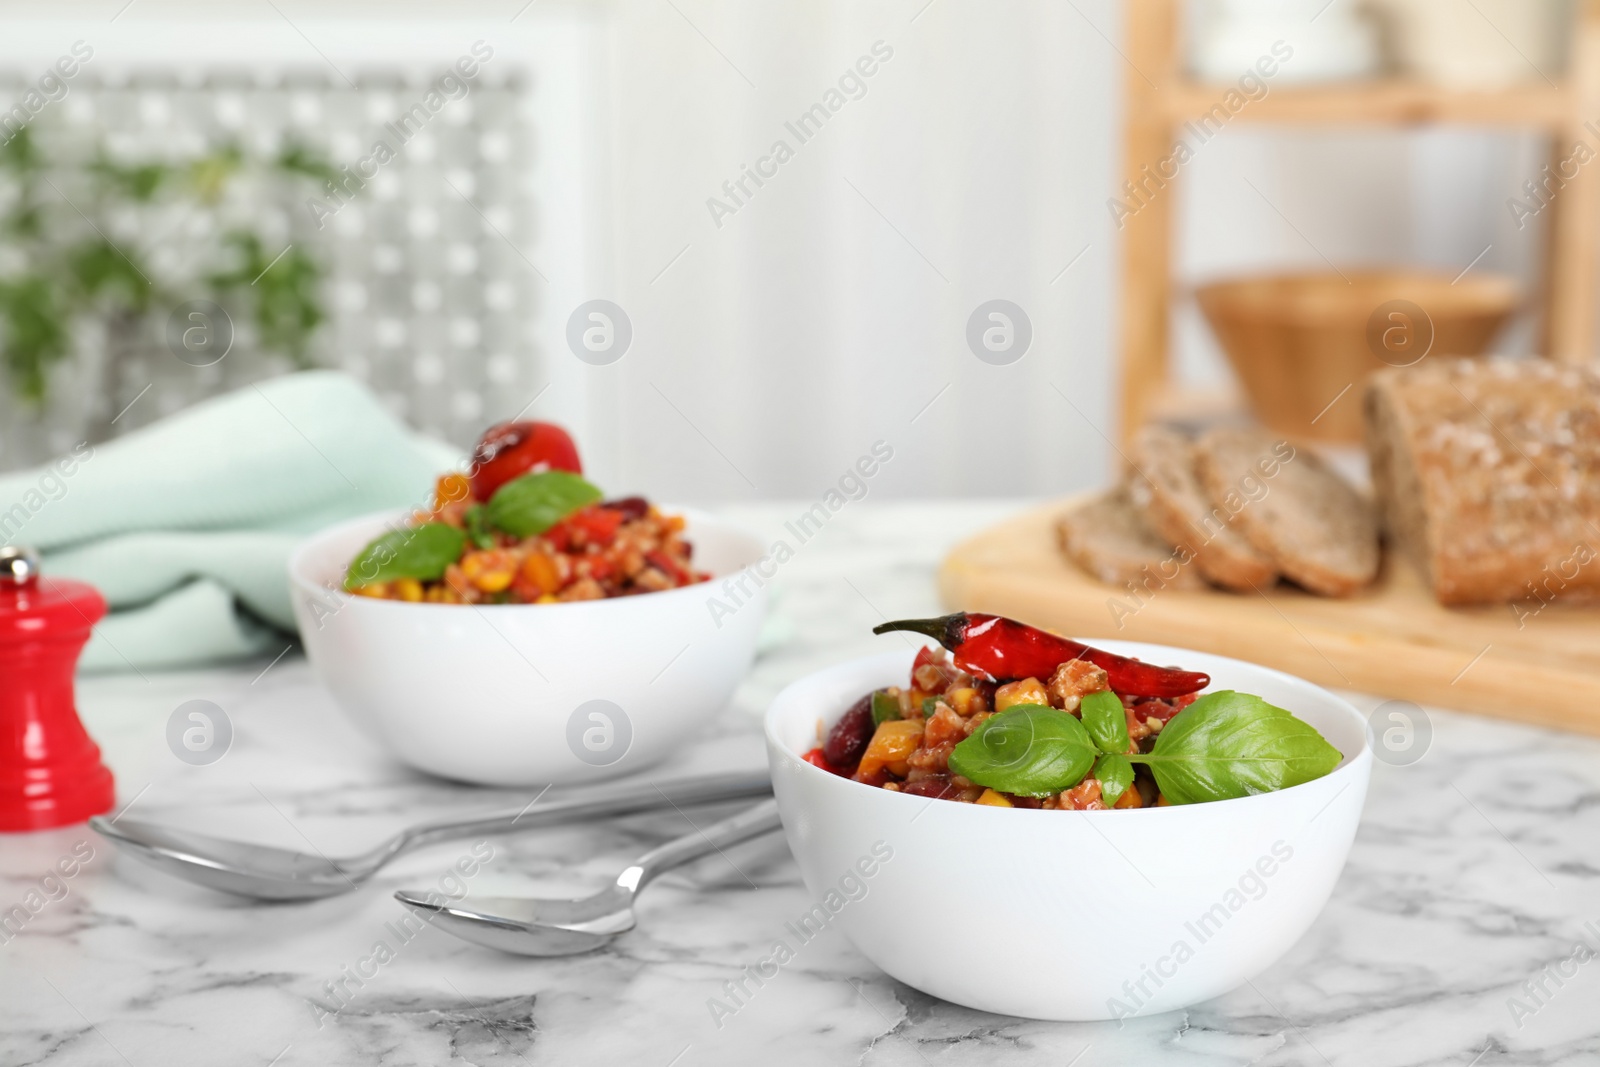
pixel 1292 507
pixel 1488 472
pixel 1108 538
pixel 1177 507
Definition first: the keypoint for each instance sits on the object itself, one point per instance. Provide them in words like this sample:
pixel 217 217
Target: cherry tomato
pixel 513 449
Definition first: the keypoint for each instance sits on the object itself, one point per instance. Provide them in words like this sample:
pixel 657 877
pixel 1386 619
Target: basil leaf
pixel 421 552
pixel 1116 777
pixel 885 706
pixel 1028 749
pixel 1105 720
pixel 1229 744
pixel 533 503
pixel 477 521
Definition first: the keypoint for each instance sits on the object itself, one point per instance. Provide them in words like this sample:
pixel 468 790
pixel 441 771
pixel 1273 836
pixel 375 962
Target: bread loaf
pixel 1488 475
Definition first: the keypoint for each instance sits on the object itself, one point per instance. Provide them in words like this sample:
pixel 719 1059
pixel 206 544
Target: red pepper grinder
pixel 50 771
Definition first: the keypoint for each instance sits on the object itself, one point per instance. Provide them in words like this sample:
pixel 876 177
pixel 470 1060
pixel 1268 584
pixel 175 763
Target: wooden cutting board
pixel 1392 640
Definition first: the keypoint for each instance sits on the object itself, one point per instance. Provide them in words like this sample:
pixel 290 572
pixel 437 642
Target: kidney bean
pixel 937 786
pixel 632 507
pixel 849 736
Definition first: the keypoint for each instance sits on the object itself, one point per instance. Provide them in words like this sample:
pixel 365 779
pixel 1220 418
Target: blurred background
pixel 777 328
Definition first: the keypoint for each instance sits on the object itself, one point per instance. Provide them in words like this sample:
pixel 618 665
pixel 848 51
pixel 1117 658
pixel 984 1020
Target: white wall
pixel 806 325
pixel 830 310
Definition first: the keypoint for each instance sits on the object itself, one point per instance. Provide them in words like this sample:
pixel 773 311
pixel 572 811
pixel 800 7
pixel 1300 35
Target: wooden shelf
pixel 1379 102
pixel 1162 103
pixel 1196 405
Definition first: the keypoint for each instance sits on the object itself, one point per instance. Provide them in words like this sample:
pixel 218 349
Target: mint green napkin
pixel 186 525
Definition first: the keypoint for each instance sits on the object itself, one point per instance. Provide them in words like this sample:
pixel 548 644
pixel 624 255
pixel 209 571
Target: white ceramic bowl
pixel 501 694
pixel 1059 914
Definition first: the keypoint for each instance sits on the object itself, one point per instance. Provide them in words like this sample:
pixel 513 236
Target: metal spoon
pixel 268 873
pixel 530 926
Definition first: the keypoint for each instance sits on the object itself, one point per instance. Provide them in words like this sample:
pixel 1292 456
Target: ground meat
pixel 583 589
pixel 1085 796
pixel 931 758
pixel 944 705
pixel 944 725
pixel 652 580
pixel 1072 680
pixel 612 550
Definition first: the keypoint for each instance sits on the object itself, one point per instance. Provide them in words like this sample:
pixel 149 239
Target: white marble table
pixel 1474 870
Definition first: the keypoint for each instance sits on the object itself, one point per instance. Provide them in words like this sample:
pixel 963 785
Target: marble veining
pixel 1452 938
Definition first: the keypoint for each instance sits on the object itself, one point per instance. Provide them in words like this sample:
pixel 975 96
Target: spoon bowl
pixel 259 871
pixel 531 927
pixel 534 926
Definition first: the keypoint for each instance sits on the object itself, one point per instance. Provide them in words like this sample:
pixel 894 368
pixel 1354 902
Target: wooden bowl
pixel 1298 341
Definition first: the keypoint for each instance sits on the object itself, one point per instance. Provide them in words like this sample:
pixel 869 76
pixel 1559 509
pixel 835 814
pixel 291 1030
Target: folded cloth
pixel 186 525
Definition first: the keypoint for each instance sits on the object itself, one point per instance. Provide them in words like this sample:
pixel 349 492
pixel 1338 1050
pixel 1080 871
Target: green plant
pixel 59 266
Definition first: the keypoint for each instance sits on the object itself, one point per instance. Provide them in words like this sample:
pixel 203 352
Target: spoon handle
pixel 597 802
pixel 752 822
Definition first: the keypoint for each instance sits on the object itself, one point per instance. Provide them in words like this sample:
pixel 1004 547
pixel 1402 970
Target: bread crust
pixel 1168 490
pixel 1314 525
pixel 1107 537
pixel 1488 475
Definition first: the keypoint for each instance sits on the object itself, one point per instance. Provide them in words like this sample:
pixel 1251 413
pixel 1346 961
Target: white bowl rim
pixel 695 515
pixel 1347 768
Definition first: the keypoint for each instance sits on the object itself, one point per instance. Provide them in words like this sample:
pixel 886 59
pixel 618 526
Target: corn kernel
pixel 548 598
pixel 490 570
pixel 994 799
pixel 408 589
pixel 376 590
pixel 1026 691
pixel 963 700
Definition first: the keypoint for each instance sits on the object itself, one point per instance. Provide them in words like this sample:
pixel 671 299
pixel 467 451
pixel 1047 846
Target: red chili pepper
pixel 997 648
